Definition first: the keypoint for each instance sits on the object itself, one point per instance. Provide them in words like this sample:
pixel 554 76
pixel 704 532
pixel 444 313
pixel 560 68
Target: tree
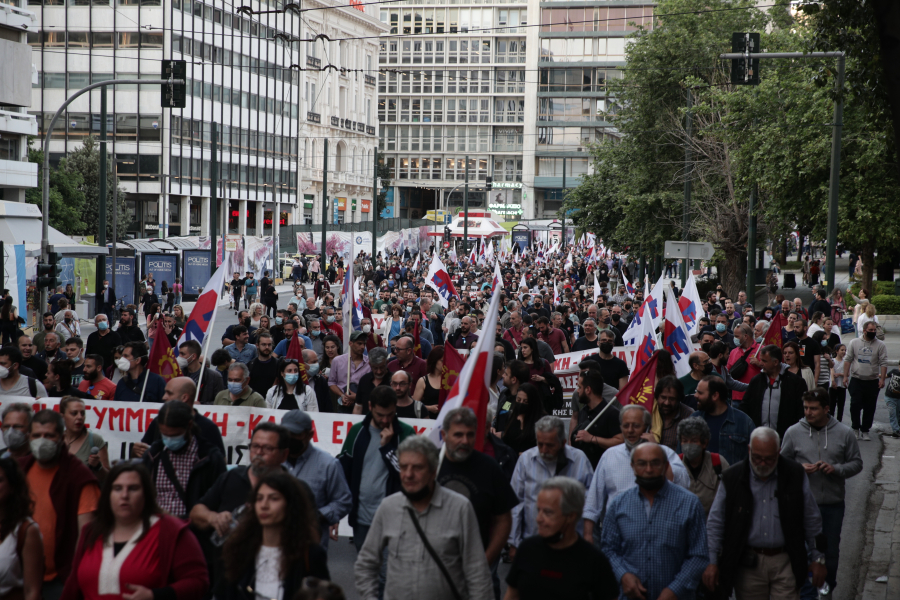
pixel 66 196
pixel 85 162
pixel 384 173
pixel 638 183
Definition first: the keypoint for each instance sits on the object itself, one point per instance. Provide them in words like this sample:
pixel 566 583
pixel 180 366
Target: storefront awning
pixel 21 223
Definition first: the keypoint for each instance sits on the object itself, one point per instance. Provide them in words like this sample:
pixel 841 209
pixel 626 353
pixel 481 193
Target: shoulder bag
pixel 739 368
pixel 434 554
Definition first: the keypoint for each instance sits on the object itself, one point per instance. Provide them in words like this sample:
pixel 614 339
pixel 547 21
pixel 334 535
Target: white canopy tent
pixel 481 225
pixel 20 223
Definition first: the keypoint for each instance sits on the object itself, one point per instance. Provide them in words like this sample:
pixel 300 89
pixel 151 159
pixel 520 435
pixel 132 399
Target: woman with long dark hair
pixel 9 323
pixel 132 547
pixel 428 388
pixel 542 377
pixel 21 546
pixel 289 392
pixel 527 410
pixel 275 545
pixel 791 353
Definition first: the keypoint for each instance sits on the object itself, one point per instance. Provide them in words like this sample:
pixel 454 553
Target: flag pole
pixel 206 338
pixel 591 424
pixel 147 367
pixel 350 302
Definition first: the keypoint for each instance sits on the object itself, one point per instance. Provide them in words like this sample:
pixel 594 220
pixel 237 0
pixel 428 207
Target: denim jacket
pixel 734 436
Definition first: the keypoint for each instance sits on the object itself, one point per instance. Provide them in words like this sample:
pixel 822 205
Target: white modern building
pixel 516 86
pixel 274 96
pixel 17 175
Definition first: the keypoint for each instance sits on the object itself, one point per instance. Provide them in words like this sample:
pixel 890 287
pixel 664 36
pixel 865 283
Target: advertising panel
pixel 125 277
pixel 197 270
pixel 163 266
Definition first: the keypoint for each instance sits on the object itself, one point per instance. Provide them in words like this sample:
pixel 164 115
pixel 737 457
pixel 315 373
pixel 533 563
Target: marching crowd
pixel 732 483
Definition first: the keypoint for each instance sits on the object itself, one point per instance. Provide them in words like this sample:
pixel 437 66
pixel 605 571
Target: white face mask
pixel 366 328
pixel 182 362
pixel 4 372
pixel 123 364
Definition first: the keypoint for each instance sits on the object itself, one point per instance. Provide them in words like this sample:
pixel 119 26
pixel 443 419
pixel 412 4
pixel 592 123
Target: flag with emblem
pixel 775 332
pixel 497 283
pixel 675 336
pixel 629 288
pixel 453 364
pixel 691 305
pixel 162 357
pixel 204 312
pixel 439 280
pixel 639 389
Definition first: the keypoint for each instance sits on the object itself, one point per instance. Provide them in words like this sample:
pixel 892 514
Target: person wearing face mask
pixel 743 361
pixel 243 319
pixel 14 383
pixel 191 365
pixel 320 470
pixel 668 395
pixel 865 369
pixel 239 392
pixel 373 340
pixel 289 391
pixel 614 474
pixel 16 420
pixel 52 349
pixel 763 525
pixel 448 522
pixel 673 530
pixel 721 330
pixel 718 356
pixel 182 464
pixel 704 467
pixel 132 386
pixel 69 327
pixel 701 366
pixel 65 494
pixel 104 340
pixel 556 562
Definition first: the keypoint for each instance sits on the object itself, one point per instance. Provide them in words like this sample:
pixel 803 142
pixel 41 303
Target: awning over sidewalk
pixel 20 223
pixel 481 225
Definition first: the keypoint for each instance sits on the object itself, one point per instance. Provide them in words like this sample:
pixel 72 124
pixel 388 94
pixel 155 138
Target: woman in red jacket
pixel 132 550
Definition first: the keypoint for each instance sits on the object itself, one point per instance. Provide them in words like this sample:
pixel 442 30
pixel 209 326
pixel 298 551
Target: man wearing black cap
pixel 128 330
pixel 320 470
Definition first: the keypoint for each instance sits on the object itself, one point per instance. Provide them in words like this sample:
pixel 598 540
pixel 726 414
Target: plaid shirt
pixel 182 462
pixel 664 545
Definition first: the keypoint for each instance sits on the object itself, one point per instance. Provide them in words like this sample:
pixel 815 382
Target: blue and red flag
pixel 675 337
pixel 204 312
pixel 439 280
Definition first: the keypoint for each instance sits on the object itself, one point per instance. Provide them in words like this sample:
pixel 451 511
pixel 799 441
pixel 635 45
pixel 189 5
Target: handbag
pixel 847 325
pixel 739 369
pixel 434 555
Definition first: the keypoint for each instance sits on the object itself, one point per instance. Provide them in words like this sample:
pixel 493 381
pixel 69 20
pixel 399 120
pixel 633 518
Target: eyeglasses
pixel 263 449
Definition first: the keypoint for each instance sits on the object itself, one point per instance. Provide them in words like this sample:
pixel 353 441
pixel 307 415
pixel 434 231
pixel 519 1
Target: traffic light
pixel 49 272
pixel 489 183
pixel 174 95
pixel 446 233
pixel 745 71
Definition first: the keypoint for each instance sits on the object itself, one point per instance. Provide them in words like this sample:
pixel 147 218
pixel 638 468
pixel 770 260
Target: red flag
pixel 774 335
pixel 295 351
pixel 162 358
pixel 639 389
pixel 453 364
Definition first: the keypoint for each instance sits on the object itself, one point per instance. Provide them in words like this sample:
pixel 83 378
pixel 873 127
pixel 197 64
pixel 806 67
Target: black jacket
pixel 505 456
pixel 210 464
pixel 739 515
pixel 315 565
pixel 790 409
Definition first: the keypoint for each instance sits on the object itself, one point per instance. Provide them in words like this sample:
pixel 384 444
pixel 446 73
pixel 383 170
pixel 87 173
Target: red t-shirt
pixel 554 339
pixel 102 390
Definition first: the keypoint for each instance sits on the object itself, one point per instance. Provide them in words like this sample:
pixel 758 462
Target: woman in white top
pixel 288 392
pixel 868 315
pixel 861 304
pixel 19 536
pixel 256 313
pixel 791 352
pixel 275 545
pixel 838 390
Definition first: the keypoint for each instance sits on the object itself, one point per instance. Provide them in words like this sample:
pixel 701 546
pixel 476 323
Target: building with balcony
pixel 17 175
pixel 517 86
pixel 251 69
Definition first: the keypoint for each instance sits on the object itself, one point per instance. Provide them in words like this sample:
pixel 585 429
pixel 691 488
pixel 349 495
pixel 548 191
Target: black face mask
pixel 246 322
pixel 705 348
pixel 651 484
pixel 708 368
pixel 606 347
pixel 616 318
pixel 870 335
pixel 416 496
pixel 296 447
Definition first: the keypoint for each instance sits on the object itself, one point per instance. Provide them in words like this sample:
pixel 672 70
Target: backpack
pixel 32 387
pixel 892 384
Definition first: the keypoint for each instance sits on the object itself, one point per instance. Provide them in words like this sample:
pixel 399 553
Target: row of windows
pixel 142 167
pixel 231 58
pixel 453 82
pixel 576 80
pixel 95 2
pixel 596 19
pixel 553 167
pixel 582 49
pixel 238 178
pixel 438 168
pixel 442 139
pixel 570 138
pixel 120 127
pixel 192 132
pixel 458 110
pixel 453 20
pixel 572 109
pixel 96 39
pixel 218 93
pixel 462 51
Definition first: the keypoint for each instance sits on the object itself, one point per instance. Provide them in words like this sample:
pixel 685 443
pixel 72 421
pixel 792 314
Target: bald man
pixel 700 368
pixel 181 389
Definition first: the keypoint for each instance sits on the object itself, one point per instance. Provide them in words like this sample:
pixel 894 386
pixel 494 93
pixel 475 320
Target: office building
pixel 515 86
pixel 17 175
pixel 262 72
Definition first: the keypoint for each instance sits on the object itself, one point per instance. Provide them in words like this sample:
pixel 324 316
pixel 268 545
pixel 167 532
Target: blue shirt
pixel 323 474
pixel 244 355
pixel 733 436
pixel 282 347
pixel 664 545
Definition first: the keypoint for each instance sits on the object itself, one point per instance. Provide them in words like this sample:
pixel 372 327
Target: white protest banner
pixel 121 424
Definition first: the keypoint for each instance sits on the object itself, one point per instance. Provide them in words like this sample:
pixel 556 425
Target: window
pixel 129 39
pixel 151 40
pixel 102 39
pixel 79 80
pixel 55 80
pixel 54 39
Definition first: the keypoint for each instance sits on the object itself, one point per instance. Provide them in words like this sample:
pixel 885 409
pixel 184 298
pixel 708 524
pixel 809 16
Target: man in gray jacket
pixel 423 508
pixel 829 453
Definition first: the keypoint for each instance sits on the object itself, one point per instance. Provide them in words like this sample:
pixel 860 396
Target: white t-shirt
pixel 268 580
pixel 21 388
